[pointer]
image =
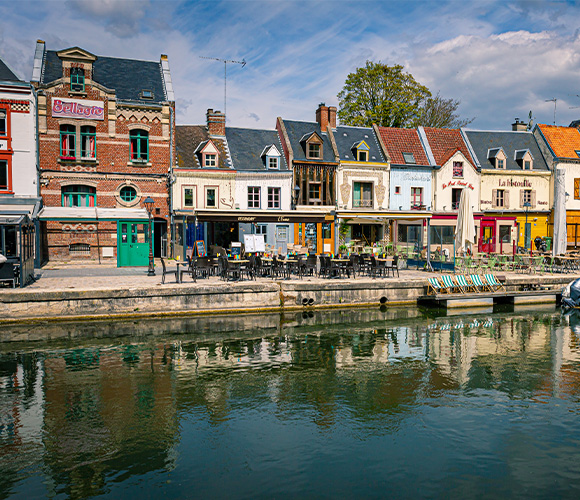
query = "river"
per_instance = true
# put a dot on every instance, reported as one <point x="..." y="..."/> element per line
<point x="391" y="403"/>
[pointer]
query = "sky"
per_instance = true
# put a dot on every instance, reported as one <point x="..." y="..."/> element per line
<point x="501" y="59"/>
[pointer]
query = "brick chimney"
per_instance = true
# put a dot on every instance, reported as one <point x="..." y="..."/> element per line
<point x="325" y="116"/>
<point x="216" y="122"/>
<point x="519" y="126"/>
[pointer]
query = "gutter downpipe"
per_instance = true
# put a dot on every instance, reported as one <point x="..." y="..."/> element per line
<point x="38" y="253"/>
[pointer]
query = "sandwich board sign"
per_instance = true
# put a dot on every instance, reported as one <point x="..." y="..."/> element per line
<point x="254" y="243"/>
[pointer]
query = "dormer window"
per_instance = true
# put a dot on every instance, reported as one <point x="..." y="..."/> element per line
<point x="147" y="94"/>
<point x="360" y="151"/>
<point x="497" y="157"/>
<point x="207" y="154"/>
<point x="273" y="162"/>
<point x="314" y="150"/>
<point x="271" y="157"/>
<point x="363" y="155"/>
<point x="409" y="158"/>
<point x="210" y="160"/>
<point x="524" y="159"/>
<point x="527" y="165"/>
<point x="77" y="80"/>
<point x="499" y="163"/>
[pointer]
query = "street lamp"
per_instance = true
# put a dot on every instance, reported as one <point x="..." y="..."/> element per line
<point x="149" y="202"/>
<point x="295" y="196"/>
<point x="528" y="229"/>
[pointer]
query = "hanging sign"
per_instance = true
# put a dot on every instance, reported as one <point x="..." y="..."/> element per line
<point x="77" y="108"/>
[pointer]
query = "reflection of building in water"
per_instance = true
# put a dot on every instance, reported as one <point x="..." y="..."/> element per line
<point x="21" y="414"/>
<point x="111" y="410"/>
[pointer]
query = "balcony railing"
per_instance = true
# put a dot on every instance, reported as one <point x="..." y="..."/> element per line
<point x="362" y="204"/>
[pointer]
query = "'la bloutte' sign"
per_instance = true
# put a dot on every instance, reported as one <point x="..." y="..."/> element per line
<point x="75" y="108"/>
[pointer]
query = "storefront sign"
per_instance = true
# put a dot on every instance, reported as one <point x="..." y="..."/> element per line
<point x="458" y="183"/>
<point x="511" y="183"/>
<point x="76" y="108"/>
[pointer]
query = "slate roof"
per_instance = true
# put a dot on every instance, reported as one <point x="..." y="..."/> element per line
<point x="188" y="138"/>
<point x="444" y="142"/>
<point x="247" y="145"/>
<point x="346" y="137"/>
<point x="128" y="77"/>
<point x="297" y="130"/>
<point x="6" y="74"/>
<point x="564" y="141"/>
<point x="482" y="141"/>
<point x="403" y="140"/>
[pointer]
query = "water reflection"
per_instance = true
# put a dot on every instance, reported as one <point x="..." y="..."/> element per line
<point x="224" y="405"/>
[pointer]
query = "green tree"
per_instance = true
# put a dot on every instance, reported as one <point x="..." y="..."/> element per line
<point x="387" y="96"/>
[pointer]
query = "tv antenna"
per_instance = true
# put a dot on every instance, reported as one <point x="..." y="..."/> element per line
<point x="554" y="100"/>
<point x="225" y="61"/>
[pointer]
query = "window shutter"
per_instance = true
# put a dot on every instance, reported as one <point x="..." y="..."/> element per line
<point x="577" y="189"/>
<point x="506" y="199"/>
<point x="494" y="198"/>
<point x="533" y="202"/>
<point x="521" y="198"/>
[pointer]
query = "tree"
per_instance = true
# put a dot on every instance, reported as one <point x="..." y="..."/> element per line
<point x="441" y="113"/>
<point x="387" y="96"/>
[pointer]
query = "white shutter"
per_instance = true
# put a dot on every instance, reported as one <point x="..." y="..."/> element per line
<point x="533" y="202"/>
<point x="494" y="198"/>
<point x="506" y="198"/>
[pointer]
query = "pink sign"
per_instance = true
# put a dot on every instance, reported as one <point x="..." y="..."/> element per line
<point x="75" y="108"/>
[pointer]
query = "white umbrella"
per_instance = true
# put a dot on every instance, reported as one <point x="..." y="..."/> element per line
<point x="560" y="241"/>
<point x="465" y="228"/>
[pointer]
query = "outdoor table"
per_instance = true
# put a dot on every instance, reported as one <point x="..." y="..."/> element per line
<point x="341" y="266"/>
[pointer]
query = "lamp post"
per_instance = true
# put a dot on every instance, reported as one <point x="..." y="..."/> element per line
<point x="295" y="195"/>
<point x="528" y="229"/>
<point x="149" y="202"/>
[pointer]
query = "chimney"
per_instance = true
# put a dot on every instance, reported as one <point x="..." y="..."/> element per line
<point x="216" y="122"/>
<point x="519" y="126"/>
<point x="332" y="116"/>
<point x="322" y="116"/>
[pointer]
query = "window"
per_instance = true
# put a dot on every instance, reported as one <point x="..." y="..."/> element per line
<point x="314" y="193"/>
<point x="500" y="163"/>
<point x="77" y="80"/>
<point x="88" y="142"/>
<point x="363" y="155"/>
<point x="3" y="127"/>
<point x="78" y="196"/>
<point x="416" y="197"/>
<point x="455" y="198"/>
<point x="146" y="94"/>
<point x="210" y="197"/>
<point x="362" y="194"/>
<point x="409" y="158"/>
<point x="139" y="145"/>
<point x="188" y="197"/>
<point x="67" y="142"/>
<point x="128" y="193"/>
<point x="210" y="160"/>
<point x="442" y="235"/>
<point x="397" y="189"/>
<point x="499" y="200"/>
<point x="457" y="169"/>
<point x="253" y="197"/>
<point x="4" y="176"/>
<point x="577" y="188"/>
<point x="314" y="150"/>
<point x="526" y="197"/>
<point x="273" y="197"/>
<point x="577" y="153"/>
<point x="505" y="234"/>
<point x="273" y="162"/>
<point x="261" y="229"/>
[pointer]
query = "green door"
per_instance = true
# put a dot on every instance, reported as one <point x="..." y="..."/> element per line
<point x="132" y="243"/>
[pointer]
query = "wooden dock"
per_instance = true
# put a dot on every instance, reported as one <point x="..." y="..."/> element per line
<point x="486" y="299"/>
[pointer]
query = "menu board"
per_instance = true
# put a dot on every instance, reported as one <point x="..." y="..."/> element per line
<point x="200" y="248"/>
<point x="254" y="243"/>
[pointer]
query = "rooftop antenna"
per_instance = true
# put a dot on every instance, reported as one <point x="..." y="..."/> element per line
<point x="530" y="120"/>
<point x="554" y="100"/>
<point x="225" y="61"/>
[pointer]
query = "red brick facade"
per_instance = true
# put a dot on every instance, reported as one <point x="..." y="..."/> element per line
<point x="112" y="168"/>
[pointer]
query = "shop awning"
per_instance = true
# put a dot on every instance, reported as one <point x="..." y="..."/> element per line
<point x="254" y="216"/>
<point x="71" y="214"/>
<point x="382" y="216"/>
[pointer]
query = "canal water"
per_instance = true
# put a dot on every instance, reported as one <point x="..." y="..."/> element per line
<point x="392" y="403"/>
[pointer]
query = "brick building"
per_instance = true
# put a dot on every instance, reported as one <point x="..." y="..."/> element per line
<point x="106" y="141"/>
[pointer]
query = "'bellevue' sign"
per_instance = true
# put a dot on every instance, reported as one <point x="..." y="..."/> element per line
<point x="76" y="108"/>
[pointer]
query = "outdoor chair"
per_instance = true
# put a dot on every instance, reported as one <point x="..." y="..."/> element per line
<point x="450" y="284"/>
<point x="434" y="286"/>
<point x="464" y="285"/>
<point x="481" y="286"/>
<point x="310" y="266"/>
<point x="279" y="268"/>
<point x="191" y="269"/>
<point x="166" y="272"/>
<point x="204" y="267"/>
<point x="325" y="266"/>
<point x="374" y="267"/>
<point x="394" y="266"/>
<point x="494" y="284"/>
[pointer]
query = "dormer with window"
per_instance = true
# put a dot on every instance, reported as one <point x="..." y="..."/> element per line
<point x="312" y="144"/>
<point x="208" y="154"/>
<point x="524" y="159"/>
<point x="360" y="151"/>
<point x="497" y="157"/>
<point x="271" y="157"/>
<point x="77" y="80"/>
<point x="77" y="68"/>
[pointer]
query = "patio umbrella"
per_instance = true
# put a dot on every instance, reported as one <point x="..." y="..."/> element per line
<point x="560" y="234"/>
<point x="465" y="229"/>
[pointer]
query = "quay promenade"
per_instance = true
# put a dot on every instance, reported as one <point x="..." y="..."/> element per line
<point x="91" y="291"/>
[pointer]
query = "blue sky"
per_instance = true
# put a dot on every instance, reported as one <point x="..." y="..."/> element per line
<point x="500" y="59"/>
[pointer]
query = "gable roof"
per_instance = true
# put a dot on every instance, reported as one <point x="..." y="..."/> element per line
<point x="403" y="140"/>
<point x="445" y="142"/>
<point x="564" y="141"/>
<point x="188" y="138"/>
<point x="127" y="77"/>
<point x="247" y="146"/>
<point x="347" y="138"/>
<point x="297" y="130"/>
<point x="483" y="142"/>
<point x="6" y="74"/>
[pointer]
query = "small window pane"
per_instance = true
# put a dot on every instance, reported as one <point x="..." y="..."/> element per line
<point x="3" y="175"/>
<point x="210" y="197"/>
<point x="128" y="193"/>
<point x="188" y="197"/>
<point x="2" y="122"/>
